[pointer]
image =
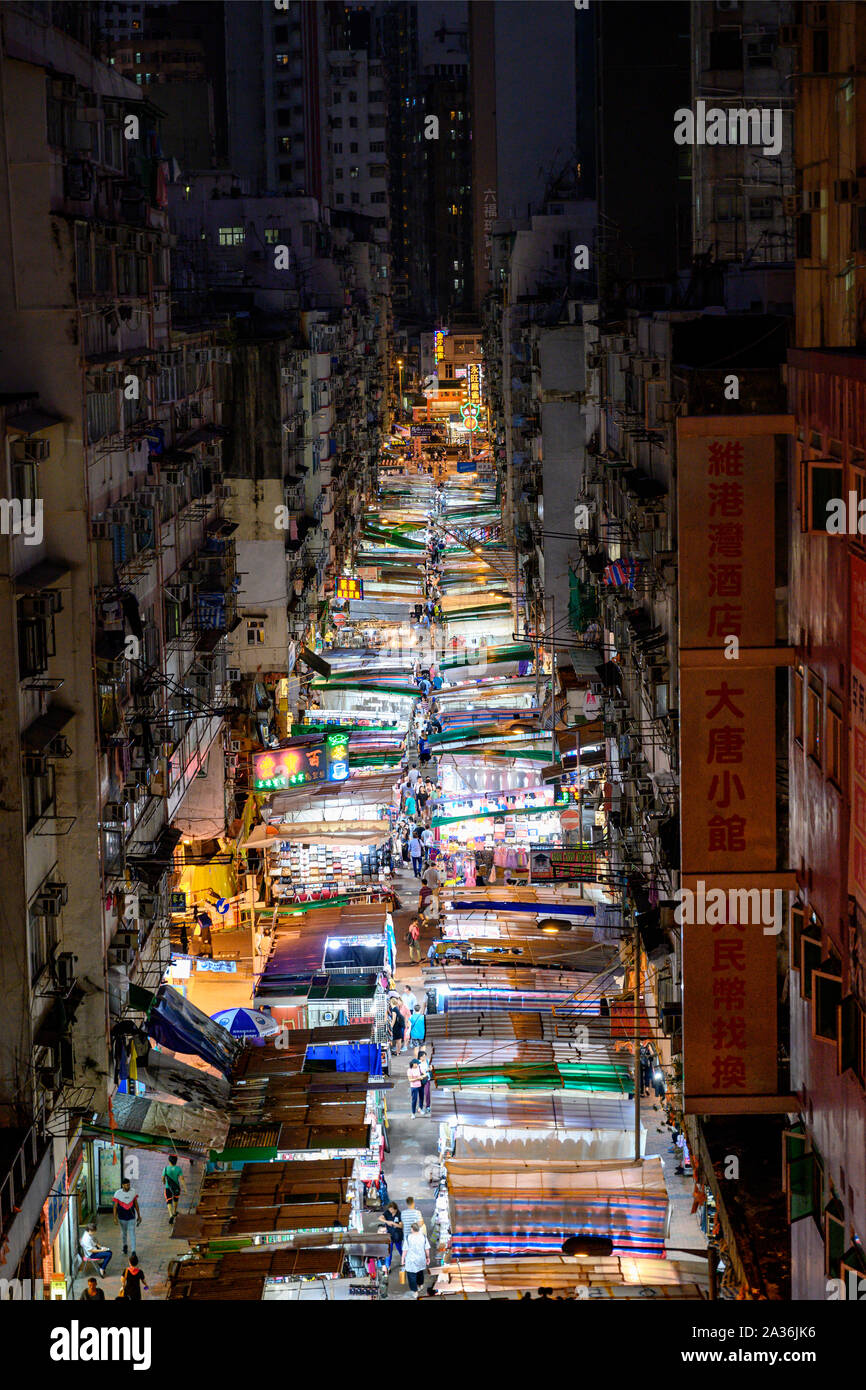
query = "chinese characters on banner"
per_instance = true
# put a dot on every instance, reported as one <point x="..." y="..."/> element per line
<point x="726" y="489"/>
<point x="489" y="219"/>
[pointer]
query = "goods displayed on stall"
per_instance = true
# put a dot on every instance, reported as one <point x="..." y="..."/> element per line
<point x="301" y="871"/>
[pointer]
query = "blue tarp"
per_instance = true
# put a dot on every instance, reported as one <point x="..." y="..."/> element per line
<point x="349" y="1056"/>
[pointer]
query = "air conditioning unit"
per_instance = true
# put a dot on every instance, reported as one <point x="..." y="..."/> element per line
<point x="115" y="812"/>
<point x="50" y="1078"/>
<point x="846" y="190"/>
<point x="31" y="450"/>
<point x="64" y="969"/>
<point x="43" y="605"/>
<point x="51" y="900"/>
<point x="172" y="473"/>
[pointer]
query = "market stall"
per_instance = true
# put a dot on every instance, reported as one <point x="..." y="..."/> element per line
<point x="528" y="1207"/>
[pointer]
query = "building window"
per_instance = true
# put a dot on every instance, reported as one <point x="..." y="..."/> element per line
<point x="281" y="60"/>
<point x="726" y="50"/>
<point x="43" y="940"/>
<point x="338" y="173"/>
<point x="797" y="687"/>
<point x="833" y="740"/>
<point x="284" y="173"/>
<point x="38" y="794"/>
<point x="340" y="198"/>
<point x="728" y="207"/>
<point x="378" y="197"/>
<point x="354" y="171"/>
<point x="353" y="147"/>
<point x="814" y="711"/>
<point x="762" y="209"/>
<point x="353" y="122"/>
<point x="378" y="147"/>
<point x="255" y="632"/>
<point x="231" y="236"/>
<point x="273" y="236"/>
<point x="337" y="122"/>
<point x="353" y="96"/>
<point x="337" y="98"/>
<point x="338" y="147"/>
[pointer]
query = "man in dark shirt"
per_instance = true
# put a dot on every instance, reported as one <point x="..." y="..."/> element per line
<point x="93" y="1293"/>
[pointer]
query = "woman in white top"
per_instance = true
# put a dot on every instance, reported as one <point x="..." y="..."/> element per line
<point x="416" y="1255"/>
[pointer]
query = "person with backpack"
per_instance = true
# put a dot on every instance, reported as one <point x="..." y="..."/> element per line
<point x="412" y="936"/>
<point x="417" y="1028"/>
<point x="172" y="1182"/>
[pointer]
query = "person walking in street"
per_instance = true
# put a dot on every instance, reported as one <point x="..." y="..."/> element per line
<point x="390" y="1222"/>
<point x="416" y="1088"/>
<point x="428" y="840"/>
<point x="398" y="1025"/>
<point x="126" y="1211"/>
<point x="423" y="749"/>
<point x="410" y="999"/>
<point x="416" y="1257"/>
<point x="430" y="876"/>
<point x="410" y="1217"/>
<point x="426" y="1079"/>
<point x="172" y="1182"/>
<point x="417" y="1028"/>
<point x="416" y="853"/>
<point x="413" y="936"/>
<point x="133" y="1280"/>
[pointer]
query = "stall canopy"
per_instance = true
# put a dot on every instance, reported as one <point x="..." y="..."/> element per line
<point x="179" y="1025"/>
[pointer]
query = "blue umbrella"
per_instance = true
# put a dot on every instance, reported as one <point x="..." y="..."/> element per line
<point x="246" y="1023"/>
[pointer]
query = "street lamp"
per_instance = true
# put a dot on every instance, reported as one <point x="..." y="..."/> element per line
<point x="400" y="370"/>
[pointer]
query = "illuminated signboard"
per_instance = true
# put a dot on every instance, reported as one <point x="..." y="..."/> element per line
<point x="470" y="415"/>
<point x="439" y="345"/>
<point x="338" y="756"/>
<point x="279" y="768"/>
<point x="474" y="383"/>
<point x="347" y="587"/>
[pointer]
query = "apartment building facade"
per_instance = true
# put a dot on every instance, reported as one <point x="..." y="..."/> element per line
<point x="115" y="618"/>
